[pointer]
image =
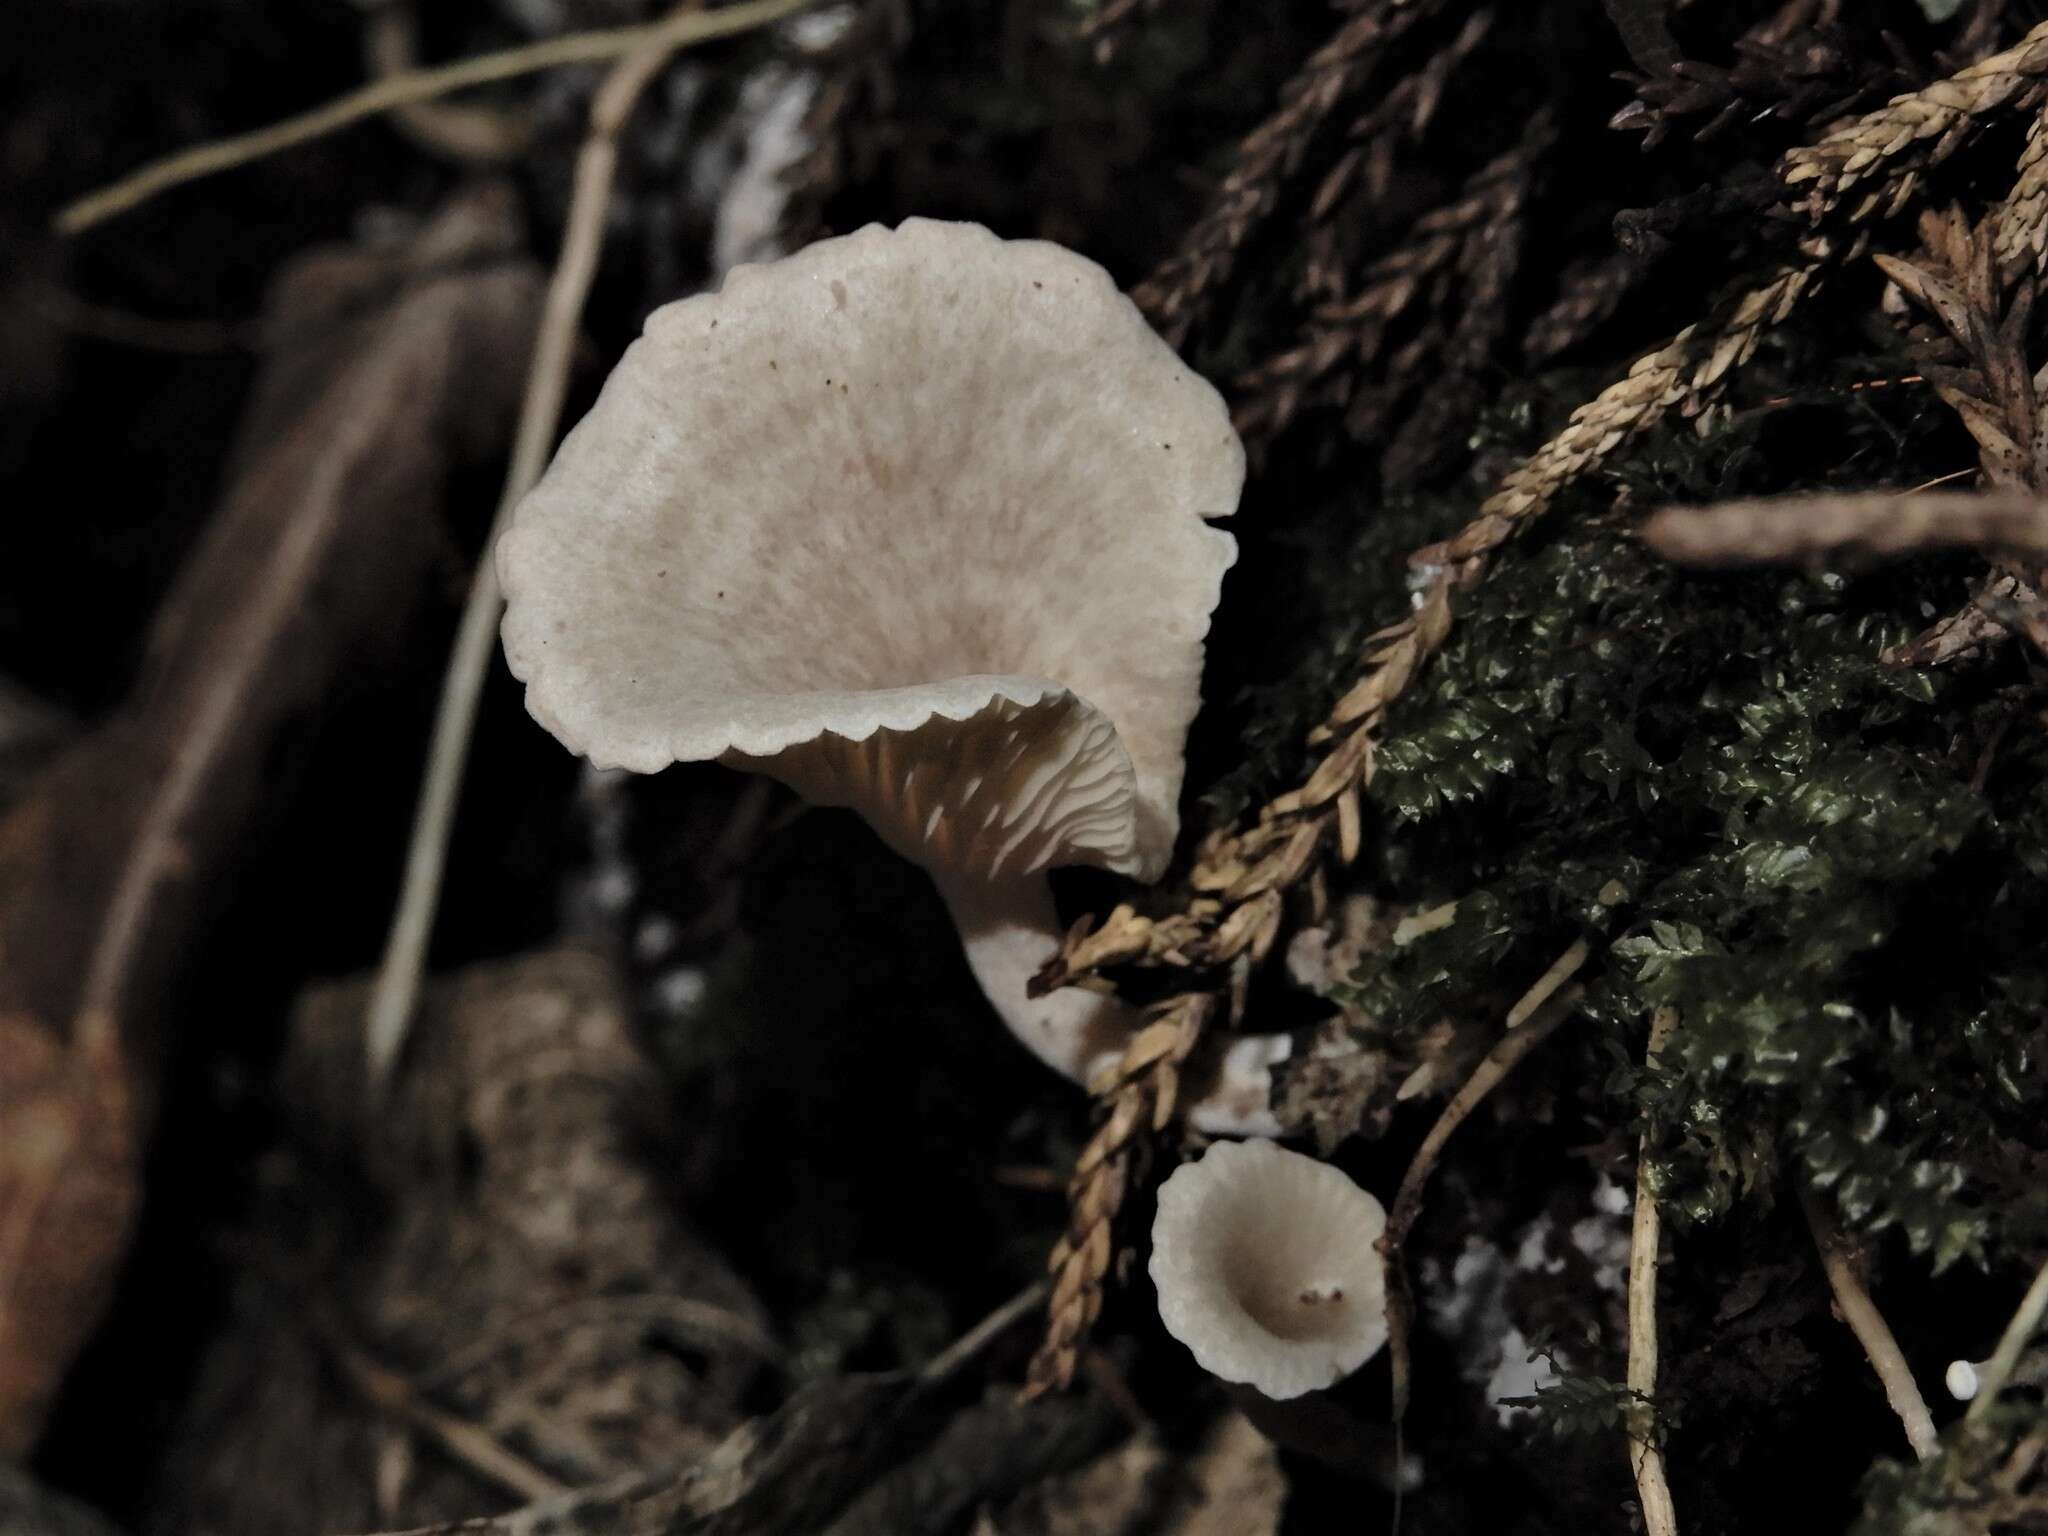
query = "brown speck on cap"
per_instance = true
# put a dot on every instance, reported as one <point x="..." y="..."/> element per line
<point x="978" y="672"/>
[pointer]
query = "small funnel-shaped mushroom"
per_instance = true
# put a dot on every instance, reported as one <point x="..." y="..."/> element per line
<point x="1267" y="1268"/>
<point x="914" y="521"/>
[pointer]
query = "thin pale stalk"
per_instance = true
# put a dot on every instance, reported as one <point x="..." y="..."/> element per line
<point x="2026" y="1322"/>
<point x="1660" y="1513"/>
<point x="678" y="30"/>
<point x="395" y="991"/>
<point x="1853" y="1302"/>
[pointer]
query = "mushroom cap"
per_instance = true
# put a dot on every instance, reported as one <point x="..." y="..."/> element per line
<point x="908" y="518"/>
<point x="1267" y="1269"/>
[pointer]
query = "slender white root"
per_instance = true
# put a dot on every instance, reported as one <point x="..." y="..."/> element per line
<point x="1009" y="930"/>
<point x="1660" y="1514"/>
<point x="1561" y="970"/>
<point x="2018" y="1333"/>
<point x="1852" y="1300"/>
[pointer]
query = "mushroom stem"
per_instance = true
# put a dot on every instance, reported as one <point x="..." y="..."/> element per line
<point x="1010" y="928"/>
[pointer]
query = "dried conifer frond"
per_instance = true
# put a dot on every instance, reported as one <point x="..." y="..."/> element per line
<point x="1789" y="66"/>
<point x="2023" y="224"/>
<point x="1174" y="296"/>
<point x="1233" y="913"/>
<point x="1111" y="27"/>
<point x="1872" y="165"/>
<point x="1976" y="352"/>
<point x="1359" y="182"/>
<point x="1294" y="832"/>
<point x="1241" y="873"/>
<point x="1452" y="270"/>
<point x="1136" y="1102"/>
<point x="1590" y="291"/>
<point x="1644" y="27"/>
<point x="1683" y="375"/>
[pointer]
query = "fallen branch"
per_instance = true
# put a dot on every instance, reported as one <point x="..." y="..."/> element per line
<point x="1838" y="1256"/>
<point x="679" y="30"/>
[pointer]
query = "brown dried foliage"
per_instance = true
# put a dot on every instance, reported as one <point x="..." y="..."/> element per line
<point x="397" y="368"/>
<point x="1872" y="165"/>
<point x="1796" y="66"/>
<point x="1355" y="188"/>
<point x="1232" y="913"/>
<point x="1176" y="296"/>
<point x="1975" y="352"/>
<point x="1140" y="1097"/>
<point x="1590" y="291"/>
<point x="1451" y="275"/>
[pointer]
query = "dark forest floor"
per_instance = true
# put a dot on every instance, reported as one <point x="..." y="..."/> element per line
<point x="700" y="1075"/>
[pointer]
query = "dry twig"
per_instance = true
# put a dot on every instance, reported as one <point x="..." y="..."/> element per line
<point x="1660" y="1514"/>
<point x="1487" y="1076"/>
<point x="467" y="134"/>
<point x="680" y="29"/>
<point x="1841" y="1258"/>
<point x="395" y="991"/>
<point x="1873" y="525"/>
<point x="471" y="1445"/>
<point x="2019" y="1332"/>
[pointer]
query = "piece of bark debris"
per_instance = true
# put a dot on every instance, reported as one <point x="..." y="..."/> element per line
<point x="478" y="1293"/>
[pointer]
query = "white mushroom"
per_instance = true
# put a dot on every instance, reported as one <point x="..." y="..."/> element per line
<point x="1267" y="1268"/>
<point x="914" y="521"/>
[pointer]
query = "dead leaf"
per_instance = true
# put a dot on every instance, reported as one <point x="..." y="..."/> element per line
<point x="411" y="364"/>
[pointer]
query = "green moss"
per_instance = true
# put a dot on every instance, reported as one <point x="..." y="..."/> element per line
<point x="1760" y="824"/>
